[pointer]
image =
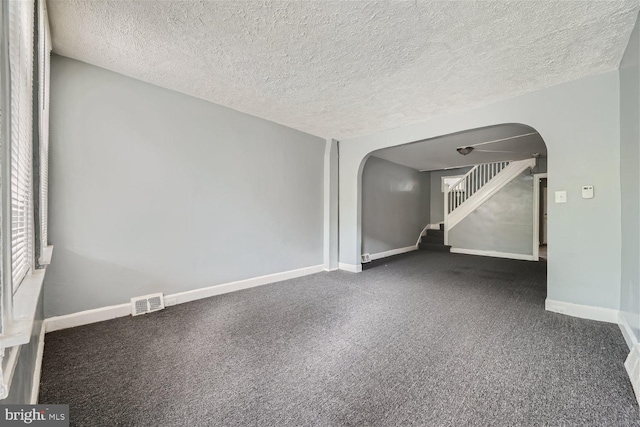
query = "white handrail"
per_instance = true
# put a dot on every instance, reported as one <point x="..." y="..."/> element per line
<point x="489" y="178"/>
<point x="470" y="183"/>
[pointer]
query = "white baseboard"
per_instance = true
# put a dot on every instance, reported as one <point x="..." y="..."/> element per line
<point x="627" y="332"/>
<point x="35" y="386"/>
<point x="87" y="317"/>
<point x="422" y="233"/>
<point x="122" y="310"/>
<point x="493" y="254"/>
<point x="350" y="267"/>
<point x="211" y="291"/>
<point x="602" y="314"/>
<point x="632" y="365"/>
<point x="392" y="252"/>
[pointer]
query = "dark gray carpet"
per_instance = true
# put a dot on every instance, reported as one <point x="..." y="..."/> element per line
<point x="432" y="339"/>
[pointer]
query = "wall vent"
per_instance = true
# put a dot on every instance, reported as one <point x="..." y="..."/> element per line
<point x="146" y="304"/>
<point x="366" y="257"/>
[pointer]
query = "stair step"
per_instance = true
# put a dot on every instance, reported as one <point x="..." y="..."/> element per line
<point x="435" y="233"/>
<point x="435" y="247"/>
<point x="438" y="240"/>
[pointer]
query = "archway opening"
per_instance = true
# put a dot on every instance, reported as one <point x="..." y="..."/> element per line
<point x="479" y="192"/>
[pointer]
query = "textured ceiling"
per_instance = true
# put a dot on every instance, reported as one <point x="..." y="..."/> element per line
<point x="492" y="144"/>
<point x="347" y="68"/>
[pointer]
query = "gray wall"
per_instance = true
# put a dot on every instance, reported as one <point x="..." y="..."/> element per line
<point x="437" y="196"/>
<point x="583" y="267"/>
<point x="20" y="390"/>
<point x="629" y="182"/>
<point x="155" y="191"/>
<point x="395" y="205"/>
<point x="504" y="223"/>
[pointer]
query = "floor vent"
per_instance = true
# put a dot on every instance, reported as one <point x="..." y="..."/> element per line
<point x="146" y="304"/>
<point x="366" y="257"/>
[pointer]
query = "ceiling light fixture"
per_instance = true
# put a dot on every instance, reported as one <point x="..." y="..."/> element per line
<point x="464" y="150"/>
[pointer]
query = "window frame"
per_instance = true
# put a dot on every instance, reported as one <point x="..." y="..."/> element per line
<point x="19" y="309"/>
<point x="20" y="294"/>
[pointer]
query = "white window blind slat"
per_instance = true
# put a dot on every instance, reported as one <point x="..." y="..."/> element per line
<point x="21" y="33"/>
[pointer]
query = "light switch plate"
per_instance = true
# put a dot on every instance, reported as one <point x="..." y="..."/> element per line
<point x="561" y="197"/>
<point x="587" y="192"/>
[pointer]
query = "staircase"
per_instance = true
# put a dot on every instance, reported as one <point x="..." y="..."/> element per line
<point x="467" y="194"/>
<point x="434" y="241"/>
<point x="476" y="187"/>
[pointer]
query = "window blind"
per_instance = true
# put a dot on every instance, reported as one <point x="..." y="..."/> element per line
<point x="45" y="62"/>
<point x="21" y="31"/>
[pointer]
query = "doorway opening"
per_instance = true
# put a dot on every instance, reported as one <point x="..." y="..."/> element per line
<point x="540" y="217"/>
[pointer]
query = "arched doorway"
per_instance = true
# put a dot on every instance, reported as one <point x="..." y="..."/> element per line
<point x="405" y="191"/>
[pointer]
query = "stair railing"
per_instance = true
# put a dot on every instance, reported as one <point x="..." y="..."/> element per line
<point x="460" y="191"/>
<point x="470" y="183"/>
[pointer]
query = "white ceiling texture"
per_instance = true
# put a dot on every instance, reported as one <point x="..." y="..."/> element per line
<point x="346" y="68"/>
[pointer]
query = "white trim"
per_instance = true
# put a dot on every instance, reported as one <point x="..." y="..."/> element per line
<point x="121" y="310"/>
<point x="446" y="217"/>
<point x="211" y="291"/>
<point x="25" y="302"/>
<point x="350" y="267"/>
<point x="493" y="254"/>
<point x="602" y="314"/>
<point x="392" y="252"/>
<point x="627" y="332"/>
<point x="632" y="365"/>
<point x="326" y="252"/>
<point x="443" y="178"/>
<point x="330" y="227"/>
<point x="35" y="386"/>
<point x="20" y="328"/>
<point x="87" y="317"/>
<point x="536" y="214"/>
<point x="422" y="233"/>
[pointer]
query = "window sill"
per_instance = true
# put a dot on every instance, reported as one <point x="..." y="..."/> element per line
<point x="25" y="302"/>
<point x="19" y="329"/>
